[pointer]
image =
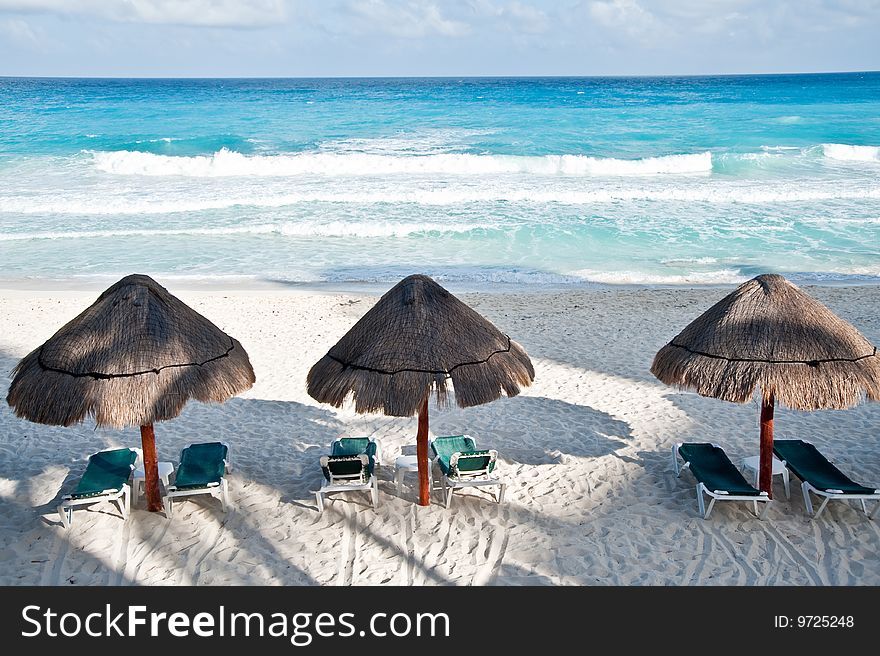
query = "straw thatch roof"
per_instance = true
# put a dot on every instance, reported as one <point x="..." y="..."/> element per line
<point x="134" y="357"/>
<point x="769" y="334"/>
<point x="416" y="337"/>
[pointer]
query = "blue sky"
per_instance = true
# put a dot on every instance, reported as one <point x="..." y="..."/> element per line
<point x="134" y="38"/>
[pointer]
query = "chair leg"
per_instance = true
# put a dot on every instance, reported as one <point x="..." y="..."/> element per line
<point x="224" y="495"/>
<point x="320" y="499"/>
<point x="449" y="491"/>
<point x="166" y="502"/>
<point x="807" y="502"/>
<point x="501" y="493"/>
<point x="124" y="502"/>
<point x="374" y="493"/>
<point x="709" y="509"/>
<point x="65" y="517"/>
<point x="700" y="505"/>
<point x="675" y="462"/>
<point x="787" y="481"/>
<point x="822" y="507"/>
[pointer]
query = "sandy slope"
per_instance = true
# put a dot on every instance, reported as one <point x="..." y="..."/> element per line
<point x="586" y="451"/>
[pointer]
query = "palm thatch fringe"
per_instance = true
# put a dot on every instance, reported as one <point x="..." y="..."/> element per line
<point x="414" y="340"/>
<point x="769" y="334"/>
<point x="134" y="357"/>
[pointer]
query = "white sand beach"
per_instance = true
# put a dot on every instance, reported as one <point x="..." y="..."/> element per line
<point x="591" y="500"/>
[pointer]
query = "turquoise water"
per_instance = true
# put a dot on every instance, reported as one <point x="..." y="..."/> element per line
<point x="534" y="181"/>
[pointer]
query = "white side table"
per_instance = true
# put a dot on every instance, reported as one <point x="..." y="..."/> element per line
<point x="137" y="477"/>
<point x="753" y="465"/>
<point x="402" y="465"/>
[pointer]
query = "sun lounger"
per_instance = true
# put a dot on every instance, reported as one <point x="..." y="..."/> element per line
<point x="105" y="479"/>
<point x="716" y="475"/>
<point x="202" y="470"/>
<point x="821" y="477"/>
<point x="353" y="446"/>
<point x="462" y="465"/>
<point x="348" y="472"/>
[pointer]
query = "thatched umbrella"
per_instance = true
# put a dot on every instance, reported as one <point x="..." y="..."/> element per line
<point x="769" y="334"/>
<point x="414" y="340"/>
<point x="134" y="357"/>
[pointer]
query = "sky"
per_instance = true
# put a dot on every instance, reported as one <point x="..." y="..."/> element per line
<point x="372" y="38"/>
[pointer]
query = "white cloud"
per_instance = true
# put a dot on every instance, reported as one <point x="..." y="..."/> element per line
<point x="410" y="19"/>
<point x="20" y="32"/>
<point x="196" y="13"/>
<point x="627" y="17"/>
<point x="517" y="16"/>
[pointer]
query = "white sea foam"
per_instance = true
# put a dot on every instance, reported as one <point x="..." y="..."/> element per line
<point x="689" y="260"/>
<point x="848" y="153"/>
<point x="289" y="229"/>
<point x="474" y="274"/>
<point x="228" y="163"/>
<point x="719" y="277"/>
<point x="479" y="277"/>
<point x="426" y="142"/>
<point x="452" y="195"/>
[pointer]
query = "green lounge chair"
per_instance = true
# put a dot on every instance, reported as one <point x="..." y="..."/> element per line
<point x="716" y="475"/>
<point x="462" y="465"/>
<point x="822" y="478"/>
<point x="105" y="479"/>
<point x="350" y="466"/>
<point x="202" y="470"/>
<point x="353" y="446"/>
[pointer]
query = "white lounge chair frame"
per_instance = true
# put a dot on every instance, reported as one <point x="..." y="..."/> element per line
<point x="838" y="494"/>
<point x="121" y="497"/>
<point x="377" y="459"/>
<point x="476" y="478"/>
<point x="349" y="482"/>
<point x="217" y="490"/>
<point x="716" y="495"/>
<point x="828" y="495"/>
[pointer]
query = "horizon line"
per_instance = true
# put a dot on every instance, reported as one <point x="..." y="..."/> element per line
<point x="426" y="77"/>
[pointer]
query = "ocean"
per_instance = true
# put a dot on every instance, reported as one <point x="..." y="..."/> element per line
<point x="526" y="181"/>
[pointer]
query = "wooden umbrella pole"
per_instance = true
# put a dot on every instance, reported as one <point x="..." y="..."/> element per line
<point x="765" y="476"/>
<point x="151" y="469"/>
<point x="422" y="455"/>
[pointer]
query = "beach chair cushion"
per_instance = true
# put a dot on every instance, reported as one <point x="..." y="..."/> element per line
<point x="201" y="465"/>
<point x="107" y="471"/>
<point x="349" y="446"/>
<point x="469" y="461"/>
<point x="711" y="466"/>
<point x="809" y="465"/>
<point x="444" y="447"/>
<point x="353" y="446"/>
<point x="346" y="466"/>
